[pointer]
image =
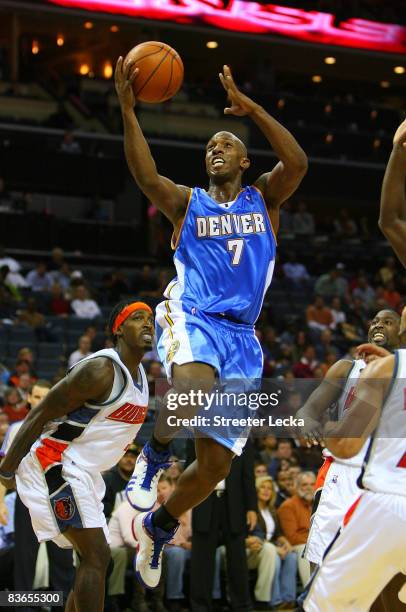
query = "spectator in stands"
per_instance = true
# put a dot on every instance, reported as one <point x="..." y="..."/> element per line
<point x="7" y="530"/>
<point x="4" y="425"/>
<point x="332" y="284"/>
<point x="308" y="363"/>
<point x="365" y="292"/>
<point x="286" y="486"/>
<point x="284" y="563"/>
<point x="24" y="386"/>
<point x="318" y="315"/>
<point x="388" y="271"/>
<point x="271" y="345"/>
<point x="303" y="221"/>
<point x="325" y="345"/>
<point x="338" y="313"/>
<point x="62" y="276"/>
<point x="57" y="259"/>
<point x="70" y="145"/>
<point x="294" y="515"/>
<point x="344" y="225"/>
<point x="145" y="280"/>
<point x="83" y="306"/>
<point x="23" y="366"/>
<point x="270" y="445"/>
<point x="59" y="306"/>
<point x="7" y="284"/>
<point x="260" y="469"/>
<point x="26" y="354"/>
<point x="300" y="342"/>
<point x="115" y="285"/>
<point x="39" y="279"/>
<point x="83" y="350"/>
<point x="31" y="317"/>
<point x="14" y="407"/>
<point x="13" y="279"/>
<point x="294" y="271"/>
<point x="391" y="296"/>
<point x="283" y="451"/>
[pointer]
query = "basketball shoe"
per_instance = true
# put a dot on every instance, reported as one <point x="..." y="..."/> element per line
<point x="142" y="487"/>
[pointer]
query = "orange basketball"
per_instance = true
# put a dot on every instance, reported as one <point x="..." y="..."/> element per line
<point x="160" y="71"/>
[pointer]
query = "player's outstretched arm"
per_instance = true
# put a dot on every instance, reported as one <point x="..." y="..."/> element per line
<point x="346" y="437"/>
<point x="91" y="380"/>
<point x="169" y="198"/>
<point x="317" y="404"/>
<point x="277" y="185"/>
<point x="392" y="219"/>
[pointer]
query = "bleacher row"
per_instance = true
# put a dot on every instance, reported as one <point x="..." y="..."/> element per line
<point x="49" y="355"/>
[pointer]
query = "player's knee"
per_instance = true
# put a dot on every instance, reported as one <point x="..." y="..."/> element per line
<point x="215" y="469"/>
<point x="98" y="557"/>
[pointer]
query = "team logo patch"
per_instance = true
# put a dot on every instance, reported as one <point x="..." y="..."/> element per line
<point x="173" y="349"/>
<point x="64" y="508"/>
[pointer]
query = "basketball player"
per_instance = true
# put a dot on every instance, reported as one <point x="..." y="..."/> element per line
<point x="392" y="220"/>
<point x="224" y="241"/>
<point x="370" y="548"/>
<point x="81" y="428"/>
<point x="336" y="486"/>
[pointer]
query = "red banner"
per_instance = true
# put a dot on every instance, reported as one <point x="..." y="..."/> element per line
<point x="242" y="16"/>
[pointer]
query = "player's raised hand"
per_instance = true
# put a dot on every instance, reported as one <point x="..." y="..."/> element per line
<point x="400" y="135"/>
<point x="369" y="352"/>
<point x="124" y="77"/>
<point x="241" y="104"/>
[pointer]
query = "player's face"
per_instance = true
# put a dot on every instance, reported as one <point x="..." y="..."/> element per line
<point x="225" y="157"/>
<point x="384" y="330"/>
<point x="138" y="330"/>
<point x="37" y="395"/>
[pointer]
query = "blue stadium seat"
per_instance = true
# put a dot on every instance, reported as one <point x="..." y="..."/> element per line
<point x="50" y="350"/>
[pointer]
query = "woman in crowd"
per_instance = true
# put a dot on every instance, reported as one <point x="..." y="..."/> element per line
<point x="284" y="582"/>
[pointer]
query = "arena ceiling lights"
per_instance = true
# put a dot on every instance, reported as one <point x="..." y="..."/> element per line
<point x="254" y="18"/>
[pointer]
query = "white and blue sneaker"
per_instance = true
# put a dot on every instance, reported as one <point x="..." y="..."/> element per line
<point x="151" y="542"/>
<point x="142" y="488"/>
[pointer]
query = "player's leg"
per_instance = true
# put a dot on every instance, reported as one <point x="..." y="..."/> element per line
<point x="88" y="590"/>
<point x="389" y="601"/>
<point x="155" y="529"/>
<point x="361" y="561"/>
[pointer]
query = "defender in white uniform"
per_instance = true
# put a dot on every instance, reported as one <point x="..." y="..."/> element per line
<point x="336" y="486"/>
<point x="80" y="429"/>
<point x="371" y="547"/>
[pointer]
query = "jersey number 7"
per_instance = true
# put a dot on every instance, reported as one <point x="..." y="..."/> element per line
<point x="236" y="247"/>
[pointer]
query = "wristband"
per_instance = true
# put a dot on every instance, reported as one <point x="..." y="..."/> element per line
<point x="6" y="475"/>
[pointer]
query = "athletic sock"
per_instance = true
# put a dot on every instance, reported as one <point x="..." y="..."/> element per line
<point x="157" y="446"/>
<point x="162" y="519"/>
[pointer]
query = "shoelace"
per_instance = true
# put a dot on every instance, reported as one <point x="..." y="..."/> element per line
<point x="152" y="470"/>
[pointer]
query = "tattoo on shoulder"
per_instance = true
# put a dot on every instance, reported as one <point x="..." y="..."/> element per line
<point x="94" y="373"/>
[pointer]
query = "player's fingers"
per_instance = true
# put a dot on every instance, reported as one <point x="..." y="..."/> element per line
<point x="119" y="67"/>
<point x="133" y="75"/>
<point x="223" y="81"/>
<point x="128" y="68"/>
<point x="229" y="78"/>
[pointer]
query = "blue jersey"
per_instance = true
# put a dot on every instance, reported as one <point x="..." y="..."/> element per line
<point x="224" y="255"/>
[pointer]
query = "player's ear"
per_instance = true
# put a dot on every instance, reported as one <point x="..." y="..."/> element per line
<point x="245" y="164"/>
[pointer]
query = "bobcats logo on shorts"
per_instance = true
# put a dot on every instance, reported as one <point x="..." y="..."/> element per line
<point x="173" y="349"/>
<point x="64" y="508"/>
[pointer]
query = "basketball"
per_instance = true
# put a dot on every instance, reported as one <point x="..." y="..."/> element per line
<point x="160" y="71"/>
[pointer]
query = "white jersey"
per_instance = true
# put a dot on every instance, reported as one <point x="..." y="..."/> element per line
<point x="95" y="436"/>
<point x="344" y="403"/>
<point x="385" y="461"/>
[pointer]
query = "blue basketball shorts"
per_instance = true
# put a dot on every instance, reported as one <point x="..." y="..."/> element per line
<point x="186" y="335"/>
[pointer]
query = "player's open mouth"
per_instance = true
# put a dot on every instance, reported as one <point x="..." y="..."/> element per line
<point x="218" y="162"/>
<point x="378" y="336"/>
<point x="147" y="337"/>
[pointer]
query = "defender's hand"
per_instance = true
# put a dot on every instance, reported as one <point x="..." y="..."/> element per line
<point x="369" y="352"/>
<point x="124" y="77"/>
<point x="241" y="104"/>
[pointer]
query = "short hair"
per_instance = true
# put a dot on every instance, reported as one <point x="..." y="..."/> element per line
<point x="303" y="475"/>
<point x="284" y="441"/>
<point x="166" y="478"/>
<point x="41" y="382"/>
<point x="113" y="315"/>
